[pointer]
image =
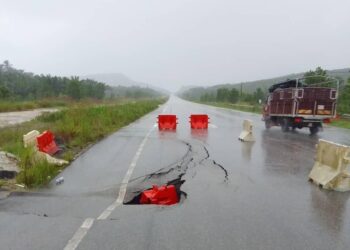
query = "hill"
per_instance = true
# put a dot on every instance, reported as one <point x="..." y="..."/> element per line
<point x="264" y="84"/>
<point x="118" y="79"/>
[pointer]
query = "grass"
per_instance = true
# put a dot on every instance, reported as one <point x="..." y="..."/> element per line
<point x="341" y="123"/>
<point x="241" y="107"/>
<point x="75" y="127"/>
<point x="7" y="106"/>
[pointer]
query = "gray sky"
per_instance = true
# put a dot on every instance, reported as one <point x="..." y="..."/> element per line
<point x="176" y="43"/>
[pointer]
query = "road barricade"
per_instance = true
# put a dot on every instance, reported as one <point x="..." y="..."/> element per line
<point x="29" y="139"/>
<point x="199" y="121"/>
<point x="46" y="143"/>
<point x="247" y="133"/>
<point x="164" y="195"/>
<point x="167" y="122"/>
<point x="331" y="168"/>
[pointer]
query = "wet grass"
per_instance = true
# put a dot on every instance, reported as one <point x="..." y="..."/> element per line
<point x="341" y="123"/>
<point x="75" y="127"/>
<point x="241" y="107"/>
<point x="7" y="106"/>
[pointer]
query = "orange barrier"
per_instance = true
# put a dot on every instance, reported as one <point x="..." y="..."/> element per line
<point x="167" y="122"/>
<point x="46" y="143"/>
<point x="199" y="121"/>
<point x="164" y="195"/>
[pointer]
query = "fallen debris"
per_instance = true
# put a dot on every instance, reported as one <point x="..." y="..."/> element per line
<point x="8" y="165"/>
<point x="59" y="180"/>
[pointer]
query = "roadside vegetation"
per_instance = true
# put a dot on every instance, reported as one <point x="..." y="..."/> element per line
<point x="233" y="96"/>
<point x="90" y="111"/>
<point x="20" y="90"/>
<point x="75" y="128"/>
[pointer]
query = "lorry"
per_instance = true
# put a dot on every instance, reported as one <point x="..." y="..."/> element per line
<point x="294" y="104"/>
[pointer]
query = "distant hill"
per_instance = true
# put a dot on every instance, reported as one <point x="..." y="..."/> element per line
<point x="250" y="87"/>
<point x="117" y="79"/>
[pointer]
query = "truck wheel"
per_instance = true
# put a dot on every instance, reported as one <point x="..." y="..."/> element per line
<point x="314" y="130"/>
<point x="285" y="125"/>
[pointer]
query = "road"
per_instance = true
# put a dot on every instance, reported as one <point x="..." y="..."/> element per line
<point x="239" y="195"/>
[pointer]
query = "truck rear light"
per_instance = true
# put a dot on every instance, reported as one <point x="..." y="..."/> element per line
<point x="298" y="120"/>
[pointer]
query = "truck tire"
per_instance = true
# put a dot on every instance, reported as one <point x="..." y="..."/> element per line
<point x="314" y="130"/>
<point x="285" y="125"/>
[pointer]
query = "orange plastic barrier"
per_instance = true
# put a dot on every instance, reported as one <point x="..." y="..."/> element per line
<point x="167" y="122"/>
<point x="164" y="195"/>
<point x="199" y="121"/>
<point x="46" y="143"/>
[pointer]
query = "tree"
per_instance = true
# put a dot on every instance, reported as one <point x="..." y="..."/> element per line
<point x="4" y="92"/>
<point x="222" y="95"/>
<point x="73" y="89"/>
<point x="233" y="95"/>
<point x="344" y="99"/>
<point x="318" y="76"/>
<point x="259" y="94"/>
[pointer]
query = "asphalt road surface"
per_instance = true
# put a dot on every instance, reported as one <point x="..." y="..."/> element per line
<point x="236" y="195"/>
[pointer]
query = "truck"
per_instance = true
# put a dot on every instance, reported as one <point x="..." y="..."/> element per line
<point x="293" y="104"/>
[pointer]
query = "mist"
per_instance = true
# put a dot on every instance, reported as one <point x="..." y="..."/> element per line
<point x="170" y="44"/>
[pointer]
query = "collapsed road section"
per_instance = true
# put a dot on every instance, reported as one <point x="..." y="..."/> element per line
<point x="169" y="179"/>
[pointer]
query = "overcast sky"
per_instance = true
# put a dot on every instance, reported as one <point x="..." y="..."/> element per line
<point x="178" y="42"/>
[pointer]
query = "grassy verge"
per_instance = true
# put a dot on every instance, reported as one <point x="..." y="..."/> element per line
<point x="7" y="106"/>
<point x="340" y="123"/>
<point x="75" y="127"/>
<point x="241" y="107"/>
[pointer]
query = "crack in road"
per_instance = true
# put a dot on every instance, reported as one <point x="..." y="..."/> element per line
<point x="172" y="174"/>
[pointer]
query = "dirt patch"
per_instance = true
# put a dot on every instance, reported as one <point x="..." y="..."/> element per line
<point x="17" y="117"/>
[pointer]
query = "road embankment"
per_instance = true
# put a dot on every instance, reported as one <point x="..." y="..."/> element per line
<point x="75" y="128"/>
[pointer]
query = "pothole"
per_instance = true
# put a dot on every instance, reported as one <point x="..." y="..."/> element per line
<point x="171" y="175"/>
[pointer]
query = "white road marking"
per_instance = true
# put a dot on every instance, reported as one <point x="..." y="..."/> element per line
<point x="87" y="224"/>
<point x="212" y="126"/>
<point x="79" y="234"/>
<point x="122" y="190"/>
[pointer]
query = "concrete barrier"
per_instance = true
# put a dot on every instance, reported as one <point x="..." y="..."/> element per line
<point x="247" y="133"/>
<point x="50" y="159"/>
<point x="331" y="168"/>
<point x="29" y="139"/>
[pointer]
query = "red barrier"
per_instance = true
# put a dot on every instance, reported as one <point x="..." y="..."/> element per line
<point x="167" y="122"/>
<point x="164" y="195"/>
<point x="46" y="143"/>
<point x="199" y="121"/>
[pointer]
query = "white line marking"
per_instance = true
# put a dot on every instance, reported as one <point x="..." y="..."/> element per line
<point x="87" y="224"/>
<point x="122" y="190"/>
<point x="79" y="234"/>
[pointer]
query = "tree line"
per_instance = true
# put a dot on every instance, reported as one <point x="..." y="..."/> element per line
<point x="234" y="94"/>
<point x="17" y="84"/>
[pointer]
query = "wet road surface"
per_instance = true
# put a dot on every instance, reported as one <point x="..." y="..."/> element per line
<point x="238" y="195"/>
